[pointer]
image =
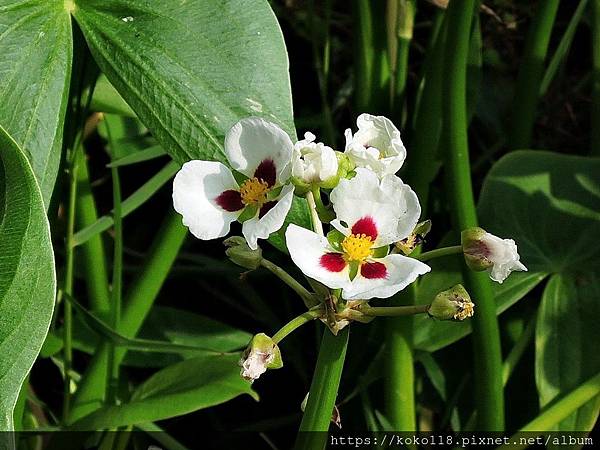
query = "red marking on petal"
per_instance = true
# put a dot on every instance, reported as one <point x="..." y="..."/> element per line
<point x="266" y="208"/>
<point x="334" y="262"/>
<point x="266" y="172"/>
<point x="230" y="200"/>
<point x="373" y="270"/>
<point x="365" y="225"/>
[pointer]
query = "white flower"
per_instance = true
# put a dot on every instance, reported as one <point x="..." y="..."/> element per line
<point x="313" y="162"/>
<point x="376" y="145"/>
<point x="371" y="214"/>
<point x="209" y="198"/>
<point x="484" y="251"/>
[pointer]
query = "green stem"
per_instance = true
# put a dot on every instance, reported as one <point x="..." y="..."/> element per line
<point x="393" y="311"/>
<point x="325" y="215"/>
<point x="296" y="323"/>
<point x="517" y="351"/>
<point x="486" y="337"/>
<point x="314" y="215"/>
<point x="68" y="283"/>
<point x="308" y="298"/>
<point x="559" y="410"/>
<point x="117" y="277"/>
<point x="138" y="302"/>
<point x="92" y="252"/>
<point x="400" y="19"/>
<point x="439" y="252"/>
<point x="530" y="75"/>
<point x="595" y="119"/>
<point x="323" y="391"/>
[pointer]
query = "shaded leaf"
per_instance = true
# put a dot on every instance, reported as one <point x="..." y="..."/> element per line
<point x="35" y="70"/>
<point x="179" y="389"/>
<point x="27" y="275"/>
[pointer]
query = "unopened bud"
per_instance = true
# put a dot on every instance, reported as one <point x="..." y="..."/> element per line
<point x="484" y="251"/>
<point x="242" y="255"/>
<point x="261" y="354"/>
<point x="345" y="165"/>
<point x="452" y="304"/>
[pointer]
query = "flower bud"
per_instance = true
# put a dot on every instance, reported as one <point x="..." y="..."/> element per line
<point x="452" y="304"/>
<point x="345" y="166"/>
<point x="261" y="354"/>
<point x="242" y="255"/>
<point x="484" y="251"/>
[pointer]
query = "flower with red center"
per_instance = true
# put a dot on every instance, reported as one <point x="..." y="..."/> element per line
<point x="209" y="198"/>
<point x="371" y="215"/>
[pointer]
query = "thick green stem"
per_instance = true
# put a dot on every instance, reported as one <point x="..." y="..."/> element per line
<point x="91" y="253"/>
<point x="323" y="391"/>
<point x="400" y="19"/>
<point x="439" y="252"/>
<point x="595" y="119"/>
<point x="138" y="301"/>
<point x="558" y="411"/>
<point x="530" y="75"/>
<point x="295" y="323"/>
<point x="486" y="337"/>
<point x="308" y="298"/>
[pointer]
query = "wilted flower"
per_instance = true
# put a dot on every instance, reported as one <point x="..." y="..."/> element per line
<point x="484" y="251"/>
<point x="371" y="214"/>
<point x="452" y="304"/>
<point x="261" y="354"/>
<point x="242" y="255"/>
<point x="376" y="145"/>
<point x="209" y="198"/>
<point x="313" y="163"/>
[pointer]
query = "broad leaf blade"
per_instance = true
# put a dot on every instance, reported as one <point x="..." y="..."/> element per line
<point x="191" y="69"/>
<point x="35" y="69"/>
<point x="179" y="389"/>
<point x="27" y="276"/>
<point x="564" y="336"/>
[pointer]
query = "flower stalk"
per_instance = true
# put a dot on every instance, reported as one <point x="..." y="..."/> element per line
<point x="439" y="252"/>
<point x="393" y="311"/>
<point x="308" y="298"/>
<point x="296" y="323"/>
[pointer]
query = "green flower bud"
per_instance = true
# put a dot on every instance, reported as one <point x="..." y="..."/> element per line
<point x="475" y="250"/>
<point x="242" y="255"/>
<point x="452" y="304"/>
<point x="261" y="354"/>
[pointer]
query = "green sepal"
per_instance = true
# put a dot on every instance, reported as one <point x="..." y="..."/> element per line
<point x="264" y="344"/>
<point x="274" y="193"/>
<point x="353" y="269"/>
<point x="335" y="239"/>
<point x="239" y="177"/>
<point x="381" y="252"/>
<point x="248" y="213"/>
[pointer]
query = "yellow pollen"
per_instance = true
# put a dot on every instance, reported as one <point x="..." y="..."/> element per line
<point x="357" y="247"/>
<point x="254" y="190"/>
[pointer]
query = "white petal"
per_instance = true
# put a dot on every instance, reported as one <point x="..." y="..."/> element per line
<point x="388" y="202"/>
<point x="195" y="188"/>
<point x="504" y="257"/>
<point x="306" y="249"/>
<point x="376" y="145"/>
<point x="255" y="228"/>
<point x="401" y="271"/>
<point x="253" y="140"/>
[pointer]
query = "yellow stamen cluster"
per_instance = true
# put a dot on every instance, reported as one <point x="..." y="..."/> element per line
<point x="357" y="247"/>
<point x="254" y="191"/>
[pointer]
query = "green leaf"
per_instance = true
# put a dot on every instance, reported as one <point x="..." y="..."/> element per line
<point x="35" y="70"/>
<point x="566" y="332"/>
<point x="179" y="389"/>
<point x="300" y="215"/>
<point x="106" y="99"/>
<point x="27" y="275"/>
<point x="549" y="204"/>
<point x="191" y="69"/>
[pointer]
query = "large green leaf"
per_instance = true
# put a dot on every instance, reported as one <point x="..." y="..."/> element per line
<point x="550" y="204"/>
<point x="182" y="388"/>
<point x="566" y="335"/>
<point x="27" y="276"/>
<point x="35" y="69"/>
<point x="191" y="69"/>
